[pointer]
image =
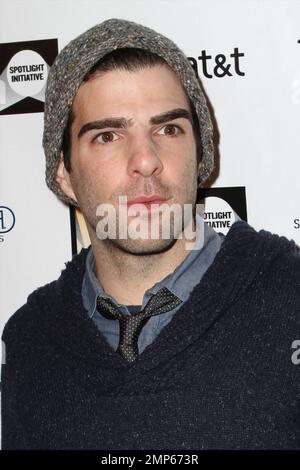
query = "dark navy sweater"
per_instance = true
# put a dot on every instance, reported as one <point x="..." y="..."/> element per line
<point x="220" y="375"/>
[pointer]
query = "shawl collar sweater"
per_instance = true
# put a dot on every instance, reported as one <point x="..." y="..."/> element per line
<point x="218" y="376"/>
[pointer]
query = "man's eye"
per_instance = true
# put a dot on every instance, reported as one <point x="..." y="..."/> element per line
<point x="171" y="129"/>
<point x="105" y="137"/>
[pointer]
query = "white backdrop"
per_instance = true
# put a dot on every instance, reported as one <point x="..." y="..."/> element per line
<point x="256" y="109"/>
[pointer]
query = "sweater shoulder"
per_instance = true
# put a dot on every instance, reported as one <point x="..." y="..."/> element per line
<point x="284" y="267"/>
<point x="287" y="268"/>
<point x="280" y="288"/>
<point x="24" y="317"/>
<point x="24" y="320"/>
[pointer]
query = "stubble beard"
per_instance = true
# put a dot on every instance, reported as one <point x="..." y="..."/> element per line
<point x="150" y="246"/>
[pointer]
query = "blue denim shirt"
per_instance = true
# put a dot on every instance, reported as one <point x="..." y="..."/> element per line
<point x="181" y="282"/>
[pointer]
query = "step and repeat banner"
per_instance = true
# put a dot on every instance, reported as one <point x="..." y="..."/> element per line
<point x="247" y="56"/>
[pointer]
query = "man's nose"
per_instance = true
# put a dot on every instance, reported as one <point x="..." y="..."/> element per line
<point x="144" y="159"/>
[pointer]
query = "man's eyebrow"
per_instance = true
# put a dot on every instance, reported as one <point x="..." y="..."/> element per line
<point x="119" y="123"/>
<point x="123" y="123"/>
<point x="170" y="115"/>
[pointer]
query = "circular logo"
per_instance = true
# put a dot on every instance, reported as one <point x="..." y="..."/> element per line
<point x="27" y="73"/>
<point x="218" y="213"/>
<point x="7" y="219"/>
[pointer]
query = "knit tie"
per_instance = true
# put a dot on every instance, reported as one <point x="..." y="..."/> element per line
<point x="131" y="325"/>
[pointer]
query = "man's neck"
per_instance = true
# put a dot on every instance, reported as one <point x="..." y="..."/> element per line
<point x="126" y="276"/>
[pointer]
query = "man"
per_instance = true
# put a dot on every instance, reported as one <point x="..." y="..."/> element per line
<point x="143" y="342"/>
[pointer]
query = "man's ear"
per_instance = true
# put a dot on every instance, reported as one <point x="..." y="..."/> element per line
<point x="63" y="179"/>
<point x="200" y="165"/>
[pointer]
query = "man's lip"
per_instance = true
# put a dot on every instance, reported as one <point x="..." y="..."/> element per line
<point x="146" y="200"/>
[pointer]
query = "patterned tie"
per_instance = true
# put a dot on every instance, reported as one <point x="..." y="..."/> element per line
<point x="131" y="325"/>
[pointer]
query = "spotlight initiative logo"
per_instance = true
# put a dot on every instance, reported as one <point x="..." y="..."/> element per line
<point x="221" y="207"/>
<point x="24" y="70"/>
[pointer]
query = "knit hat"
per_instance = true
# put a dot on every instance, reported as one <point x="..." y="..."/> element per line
<point x="77" y="58"/>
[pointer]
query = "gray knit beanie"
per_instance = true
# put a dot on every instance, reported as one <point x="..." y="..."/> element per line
<point x="78" y="57"/>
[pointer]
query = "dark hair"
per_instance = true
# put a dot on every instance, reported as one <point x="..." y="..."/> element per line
<point x="130" y="59"/>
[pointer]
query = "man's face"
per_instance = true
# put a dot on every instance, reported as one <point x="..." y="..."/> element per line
<point x="139" y="154"/>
